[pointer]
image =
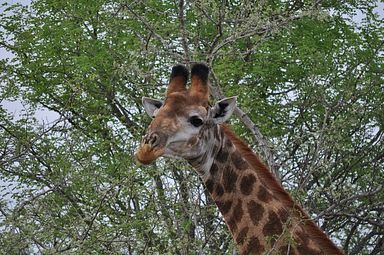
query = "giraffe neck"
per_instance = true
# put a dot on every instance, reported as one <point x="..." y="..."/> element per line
<point x="259" y="219"/>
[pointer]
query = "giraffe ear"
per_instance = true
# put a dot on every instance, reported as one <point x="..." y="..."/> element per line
<point x="151" y="106"/>
<point x="222" y="110"/>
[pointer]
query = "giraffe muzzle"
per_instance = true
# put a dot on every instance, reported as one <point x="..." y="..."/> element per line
<point x="151" y="148"/>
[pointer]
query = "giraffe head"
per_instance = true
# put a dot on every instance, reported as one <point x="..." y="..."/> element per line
<point x="179" y="122"/>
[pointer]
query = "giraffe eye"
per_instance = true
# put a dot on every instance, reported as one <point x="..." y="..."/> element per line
<point x="196" y="121"/>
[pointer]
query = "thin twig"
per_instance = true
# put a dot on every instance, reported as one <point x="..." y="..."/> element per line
<point x="348" y="199"/>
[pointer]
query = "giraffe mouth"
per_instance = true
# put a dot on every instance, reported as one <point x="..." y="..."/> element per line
<point x="146" y="154"/>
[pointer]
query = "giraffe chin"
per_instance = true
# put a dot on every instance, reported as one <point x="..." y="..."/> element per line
<point x="146" y="154"/>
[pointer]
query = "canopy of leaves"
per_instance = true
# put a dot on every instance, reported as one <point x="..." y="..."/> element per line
<point x="309" y="80"/>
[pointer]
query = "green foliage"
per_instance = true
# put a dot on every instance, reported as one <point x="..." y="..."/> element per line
<point x="307" y="74"/>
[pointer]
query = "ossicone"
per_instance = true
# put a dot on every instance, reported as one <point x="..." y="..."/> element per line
<point x="180" y="70"/>
<point x="199" y="84"/>
<point x="200" y="70"/>
<point x="178" y="79"/>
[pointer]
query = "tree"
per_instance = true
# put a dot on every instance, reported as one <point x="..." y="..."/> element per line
<point x="310" y="87"/>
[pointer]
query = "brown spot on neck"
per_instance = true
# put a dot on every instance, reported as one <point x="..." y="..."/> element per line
<point x="219" y="190"/>
<point x="224" y="206"/>
<point x="238" y="161"/>
<point x="263" y="194"/>
<point x="283" y="215"/>
<point x="242" y="235"/>
<point x="232" y="224"/>
<point x="209" y="184"/>
<point x="229" y="179"/>
<point x="214" y="169"/>
<point x="238" y="212"/>
<point x="273" y="228"/>
<point x="222" y="155"/>
<point x="246" y="184"/>
<point x="255" y="211"/>
<point x="253" y="247"/>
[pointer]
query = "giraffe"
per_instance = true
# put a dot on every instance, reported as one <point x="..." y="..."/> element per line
<point x="261" y="216"/>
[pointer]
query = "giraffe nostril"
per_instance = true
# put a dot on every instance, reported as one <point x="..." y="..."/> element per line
<point x="145" y="139"/>
<point x="154" y="139"/>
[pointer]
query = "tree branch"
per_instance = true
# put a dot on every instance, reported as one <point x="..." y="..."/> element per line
<point x="183" y="32"/>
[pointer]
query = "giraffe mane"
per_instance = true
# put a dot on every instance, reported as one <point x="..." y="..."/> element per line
<point x="270" y="181"/>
